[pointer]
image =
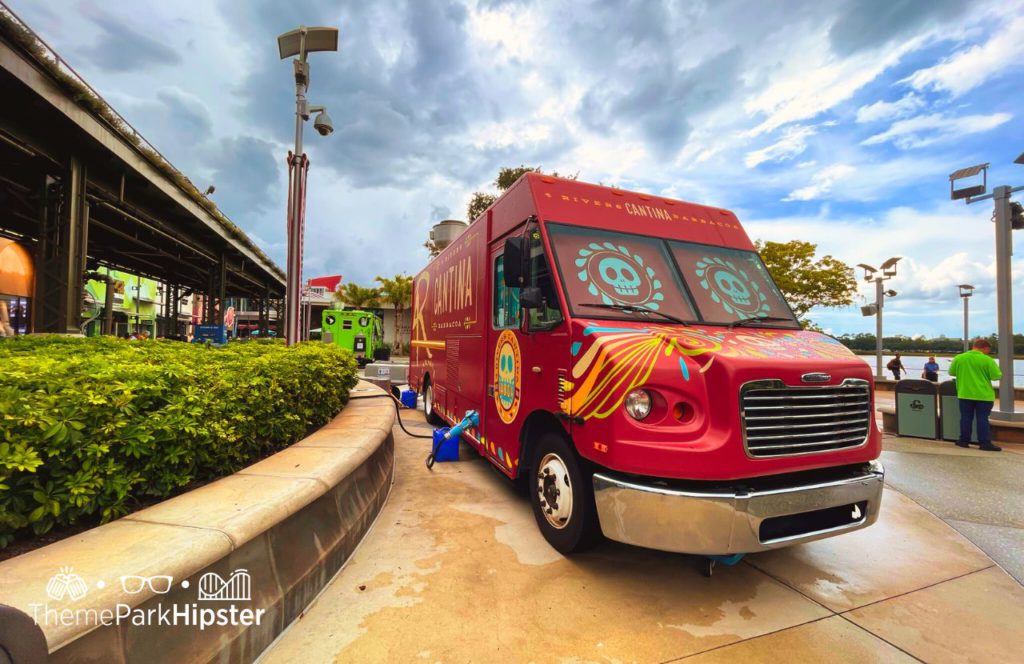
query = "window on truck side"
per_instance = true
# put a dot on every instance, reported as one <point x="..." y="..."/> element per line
<point x="549" y="315"/>
<point x="505" y="307"/>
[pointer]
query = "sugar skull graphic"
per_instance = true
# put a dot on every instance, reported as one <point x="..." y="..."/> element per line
<point x="731" y="287"/>
<point x="618" y="276"/>
<point x="507" y="376"/>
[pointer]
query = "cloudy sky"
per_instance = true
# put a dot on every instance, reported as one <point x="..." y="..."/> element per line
<point x="834" y="122"/>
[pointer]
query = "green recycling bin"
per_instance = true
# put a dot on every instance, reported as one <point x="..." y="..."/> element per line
<point x="917" y="413"/>
<point x="950" y="413"/>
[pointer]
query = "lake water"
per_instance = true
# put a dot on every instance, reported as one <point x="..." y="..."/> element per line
<point x="915" y="365"/>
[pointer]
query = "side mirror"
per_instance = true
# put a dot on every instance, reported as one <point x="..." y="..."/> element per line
<point x="515" y="261"/>
<point x="530" y="297"/>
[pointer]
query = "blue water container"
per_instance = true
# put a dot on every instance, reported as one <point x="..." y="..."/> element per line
<point x="449" y="449"/>
<point x="409" y="399"/>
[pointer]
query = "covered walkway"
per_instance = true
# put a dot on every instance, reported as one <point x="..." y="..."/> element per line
<point x="80" y="188"/>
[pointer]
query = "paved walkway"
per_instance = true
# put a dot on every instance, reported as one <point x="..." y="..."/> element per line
<point x="455" y="570"/>
<point x="980" y="494"/>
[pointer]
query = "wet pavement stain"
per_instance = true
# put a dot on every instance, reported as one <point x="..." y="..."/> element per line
<point x="455" y="570"/>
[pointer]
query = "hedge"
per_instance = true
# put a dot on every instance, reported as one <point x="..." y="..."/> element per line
<point x="90" y="426"/>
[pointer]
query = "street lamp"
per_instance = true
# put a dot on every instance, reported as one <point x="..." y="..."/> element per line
<point x="301" y="42"/>
<point x="878" y="276"/>
<point x="1007" y="217"/>
<point x="966" y="290"/>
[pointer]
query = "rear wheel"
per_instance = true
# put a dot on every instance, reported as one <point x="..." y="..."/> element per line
<point x="428" y="406"/>
<point x="562" y="496"/>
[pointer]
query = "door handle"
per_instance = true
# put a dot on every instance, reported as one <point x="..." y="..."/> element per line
<point x="490" y="390"/>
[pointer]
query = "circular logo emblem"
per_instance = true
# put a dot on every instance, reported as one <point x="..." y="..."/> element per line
<point x="364" y="321"/>
<point x="618" y="275"/>
<point x="730" y="287"/>
<point x="330" y="320"/>
<point x="507" y="377"/>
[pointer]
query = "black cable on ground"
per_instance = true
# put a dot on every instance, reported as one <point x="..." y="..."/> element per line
<point x="398" y="415"/>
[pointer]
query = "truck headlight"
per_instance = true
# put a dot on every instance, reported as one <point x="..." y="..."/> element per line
<point x="638" y="404"/>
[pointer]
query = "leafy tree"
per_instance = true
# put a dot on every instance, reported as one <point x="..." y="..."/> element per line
<point x="507" y="177"/>
<point x="396" y="291"/>
<point x="806" y="282"/>
<point x="357" y="297"/>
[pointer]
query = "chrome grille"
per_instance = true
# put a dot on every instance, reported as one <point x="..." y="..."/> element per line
<point x="779" y="420"/>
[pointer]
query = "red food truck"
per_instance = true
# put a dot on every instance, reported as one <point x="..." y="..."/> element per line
<point x="633" y="362"/>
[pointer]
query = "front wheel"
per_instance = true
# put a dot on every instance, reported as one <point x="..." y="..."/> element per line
<point x="562" y="496"/>
<point x="428" y="406"/>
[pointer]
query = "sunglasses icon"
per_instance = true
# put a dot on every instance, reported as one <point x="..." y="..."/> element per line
<point x="158" y="584"/>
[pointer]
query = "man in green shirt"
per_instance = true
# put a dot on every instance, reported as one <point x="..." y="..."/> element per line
<point x="974" y="372"/>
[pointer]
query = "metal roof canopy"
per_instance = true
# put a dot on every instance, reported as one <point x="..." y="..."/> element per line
<point x="139" y="219"/>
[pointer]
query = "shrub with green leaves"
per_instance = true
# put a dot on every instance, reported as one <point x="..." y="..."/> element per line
<point x="88" y="426"/>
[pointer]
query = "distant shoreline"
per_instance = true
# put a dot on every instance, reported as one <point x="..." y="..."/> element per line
<point x="918" y="353"/>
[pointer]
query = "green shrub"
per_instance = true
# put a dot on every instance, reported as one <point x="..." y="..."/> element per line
<point x="87" y="426"/>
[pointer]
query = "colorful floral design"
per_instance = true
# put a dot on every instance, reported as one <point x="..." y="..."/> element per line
<point x="622" y="359"/>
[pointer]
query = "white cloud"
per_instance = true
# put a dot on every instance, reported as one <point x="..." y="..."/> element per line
<point x="969" y="68"/>
<point x="885" y="110"/>
<point x="927" y="129"/>
<point x="821" y="183"/>
<point x="792" y="143"/>
<point x="927" y="276"/>
<point x="821" y="82"/>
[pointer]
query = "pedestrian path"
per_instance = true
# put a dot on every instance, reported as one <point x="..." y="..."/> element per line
<point x="975" y="492"/>
<point x="455" y="570"/>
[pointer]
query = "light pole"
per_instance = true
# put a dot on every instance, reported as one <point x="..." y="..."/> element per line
<point x="301" y="42"/>
<point x="878" y="277"/>
<point x="966" y="290"/>
<point x="1008" y="217"/>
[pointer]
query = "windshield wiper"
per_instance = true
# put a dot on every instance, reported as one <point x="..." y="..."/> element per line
<point x="757" y="319"/>
<point x="635" y="308"/>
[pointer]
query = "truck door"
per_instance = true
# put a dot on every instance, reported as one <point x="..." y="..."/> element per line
<point x="528" y="350"/>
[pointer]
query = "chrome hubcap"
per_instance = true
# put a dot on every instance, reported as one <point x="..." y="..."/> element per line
<point x="428" y="400"/>
<point x="554" y="490"/>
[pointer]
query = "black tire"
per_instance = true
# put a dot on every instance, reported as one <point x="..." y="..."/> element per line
<point x="579" y="528"/>
<point x="428" y="405"/>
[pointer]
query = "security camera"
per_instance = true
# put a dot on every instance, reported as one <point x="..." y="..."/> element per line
<point x="322" y="123"/>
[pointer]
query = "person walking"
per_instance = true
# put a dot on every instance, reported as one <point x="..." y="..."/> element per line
<point x="931" y="370"/>
<point x="974" y="372"/>
<point x="896" y="366"/>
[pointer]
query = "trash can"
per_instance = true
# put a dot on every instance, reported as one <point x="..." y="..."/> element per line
<point x="950" y="413"/>
<point x="917" y="412"/>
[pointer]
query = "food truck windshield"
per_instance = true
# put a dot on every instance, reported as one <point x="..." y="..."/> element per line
<point x="625" y="276"/>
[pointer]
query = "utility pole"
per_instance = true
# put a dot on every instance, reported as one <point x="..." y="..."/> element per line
<point x="878" y="277"/>
<point x="966" y="291"/>
<point x="301" y="42"/>
<point x="1007" y="219"/>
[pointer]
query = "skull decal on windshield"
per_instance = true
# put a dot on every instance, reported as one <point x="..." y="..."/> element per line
<point x="731" y="287"/>
<point x="618" y="276"/>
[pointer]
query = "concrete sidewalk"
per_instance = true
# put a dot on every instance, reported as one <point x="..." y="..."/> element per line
<point x="455" y="570"/>
<point x="977" y="493"/>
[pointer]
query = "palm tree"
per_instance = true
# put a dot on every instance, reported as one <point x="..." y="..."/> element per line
<point x="354" y="295"/>
<point x="396" y="291"/>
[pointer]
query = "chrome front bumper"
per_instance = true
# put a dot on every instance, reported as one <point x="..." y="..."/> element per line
<point x="737" y="521"/>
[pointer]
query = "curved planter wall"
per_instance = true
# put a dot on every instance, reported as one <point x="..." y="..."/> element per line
<point x="289" y="521"/>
